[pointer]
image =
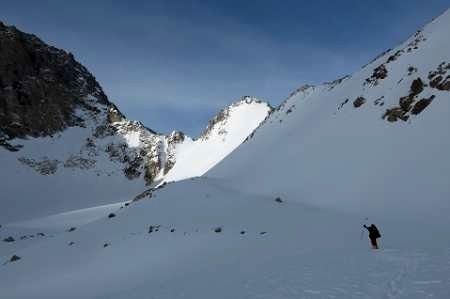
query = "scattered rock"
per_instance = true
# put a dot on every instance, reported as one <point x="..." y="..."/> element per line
<point x="411" y="70"/>
<point x="9" y="239"/>
<point x="379" y="102"/>
<point x="111" y="215"/>
<point x="439" y="78"/>
<point x="394" y="114"/>
<point x="153" y="228"/>
<point x="14" y="258"/>
<point x="44" y="167"/>
<point x="75" y="161"/>
<point x="379" y="73"/>
<point x="359" y="102"/>
<point x="342" y="104"/>
<point x="290" y="109"/>
<point x="147" y="193"/>
<point x="421" y="105"/>
<point x="416" y="86"/>
<point x="394" y="56"/>
<point x="406" y="103"/>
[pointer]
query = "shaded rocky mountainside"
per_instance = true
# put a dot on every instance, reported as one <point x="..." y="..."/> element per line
<point x="373" y="141"/>
<point x="64" y="145"/>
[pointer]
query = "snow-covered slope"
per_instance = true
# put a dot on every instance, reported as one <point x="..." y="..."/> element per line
<point x="200" y="239"/>
<point x="281" y="217"/>
<point x="65" y="146"/>
<point x="225" y="132"/>
<point x="374" y="142"/>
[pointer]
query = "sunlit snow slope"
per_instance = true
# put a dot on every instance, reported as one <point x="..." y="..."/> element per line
<point x="225" y="132"/>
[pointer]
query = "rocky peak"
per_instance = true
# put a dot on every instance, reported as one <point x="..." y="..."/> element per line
<point x="221" y="117"/>
<point x="41" y="87"/>
<point x="175" y="137"/>
<point x="303" y="88"/>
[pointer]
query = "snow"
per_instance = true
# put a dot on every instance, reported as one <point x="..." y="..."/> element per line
<point x="97" y="178"/>
<point x="334" y="167"/>
<point x="194" y="158"/>
<point x="132" y="139"/>
<point x="33" y="195"/>
<point x="351" y="159"/>
<point x="68" y="219"/>
<point x="306" y="252"/>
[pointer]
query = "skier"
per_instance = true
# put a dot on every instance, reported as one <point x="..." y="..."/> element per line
<point x="374" y="234"/>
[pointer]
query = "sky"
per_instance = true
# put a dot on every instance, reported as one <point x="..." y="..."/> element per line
<point x="174" y="64"/>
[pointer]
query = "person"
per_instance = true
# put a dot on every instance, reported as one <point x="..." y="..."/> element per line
<point x="374" y="234"/>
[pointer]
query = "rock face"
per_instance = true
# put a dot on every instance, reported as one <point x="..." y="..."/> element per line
<point x="44" y="91"/>
<point x="41" y="87"/>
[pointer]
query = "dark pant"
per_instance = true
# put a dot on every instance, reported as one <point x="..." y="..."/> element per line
<point x="373" y="241"/>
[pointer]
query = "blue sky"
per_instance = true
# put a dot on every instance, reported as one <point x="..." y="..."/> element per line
<point x="174" y="64"/>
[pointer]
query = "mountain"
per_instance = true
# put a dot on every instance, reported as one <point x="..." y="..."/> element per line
<point x="282" y="215"/>
<point x="372" y="142"/>
<point x="226" y="131"/>
<point x="65" y="146"/>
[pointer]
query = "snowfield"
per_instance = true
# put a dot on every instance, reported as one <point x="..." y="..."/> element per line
<point x="265" y="249"/>
<point x="282" y="215"/>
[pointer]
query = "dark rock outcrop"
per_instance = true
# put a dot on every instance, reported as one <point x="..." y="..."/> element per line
<point x="439" y="78"/>
<point x="41" y="86"/>
<point x="421" y="105"/>
<point x="406" y="105"/>
<point x="14" y="258"/>
<point x="8" y="239"/>
<point x="359" y="102"/>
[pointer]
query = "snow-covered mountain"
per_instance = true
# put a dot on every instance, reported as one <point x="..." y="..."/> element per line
<point x="226" y="131"/>
<point x="281" y="216"/>
<point x="377" y="140"/>
<point x="65" y="146"/>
